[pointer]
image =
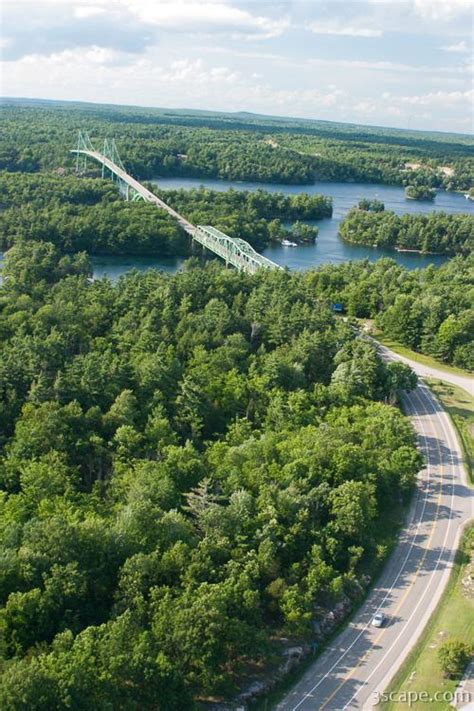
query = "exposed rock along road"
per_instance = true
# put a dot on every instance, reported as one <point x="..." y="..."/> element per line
<point x="361" y="661"/>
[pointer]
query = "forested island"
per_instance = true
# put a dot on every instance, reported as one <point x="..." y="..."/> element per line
<point x="255" y="216"/>
<point x="420" y="192"/>
<point x="435" y="233"/>
<point x="371" y="205"/>
<point x="194" y="468"/>
<point x="78" y="213"/>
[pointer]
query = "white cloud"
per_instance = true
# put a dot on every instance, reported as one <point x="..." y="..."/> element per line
<point x="441" y="98"/>
<point x="265" y="56"/>
<point x="193" y="71"/>
<point x="205" y="16"/>
<point x="427" y="9"/>
<point x="332" y="28"/>
<point x="101" y="55"/>
<point x="78" y="57"/>
<point x="443" y="9"/>
<point x="291" y="63"/>
<point x="386" y="67"/>
<point x="458" y="47"/>
<point x="187" y="16"/>
<point x="194" y="83"/>
<point x="84" y="11"/>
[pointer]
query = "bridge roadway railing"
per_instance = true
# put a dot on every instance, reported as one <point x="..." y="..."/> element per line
<point x="139" y="188"/>
<point x="233" y="250"/>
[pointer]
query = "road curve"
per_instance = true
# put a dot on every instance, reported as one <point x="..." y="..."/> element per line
<point x="426" y="371"/>
<point x="360" y="662"/>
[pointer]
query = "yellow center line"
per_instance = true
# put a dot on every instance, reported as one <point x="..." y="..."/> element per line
<point x="403" y="598"/>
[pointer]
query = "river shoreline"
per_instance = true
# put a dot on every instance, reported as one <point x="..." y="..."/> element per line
<point x="329" y="247"/>
<point x="402" y="250"/>
<point x="420" y="251"/>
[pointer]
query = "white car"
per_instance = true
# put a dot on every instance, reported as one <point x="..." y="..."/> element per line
<point x="378" y="620"/>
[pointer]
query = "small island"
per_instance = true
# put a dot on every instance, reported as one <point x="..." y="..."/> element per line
<point x="371" y="205"/>
<point x="292" y="236"/>
<point x="419" y="192"/>
<point x="434" y="233"/>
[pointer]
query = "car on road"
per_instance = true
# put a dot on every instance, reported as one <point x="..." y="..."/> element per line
<point x="378" y="620"/>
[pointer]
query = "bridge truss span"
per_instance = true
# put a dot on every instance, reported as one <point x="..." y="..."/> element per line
<point x="232" y="250"/>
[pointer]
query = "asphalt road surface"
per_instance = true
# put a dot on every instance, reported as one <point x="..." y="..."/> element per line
<point x="427" y="371"/>
<point x="360" y="662"/>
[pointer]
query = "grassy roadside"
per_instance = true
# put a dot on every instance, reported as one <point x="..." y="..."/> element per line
<point x="454" y="616"/>
<point x="419" y="357"/>
<point x="460" y="406"/>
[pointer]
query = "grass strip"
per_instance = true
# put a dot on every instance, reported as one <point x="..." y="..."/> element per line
<point x="453" y="618"/>
<point x="460" y="407"/>
<point x="427" y="360"/>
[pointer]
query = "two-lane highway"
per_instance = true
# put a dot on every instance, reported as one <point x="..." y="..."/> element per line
<point x="465" y="382"/>
<point x="359" y="664"/>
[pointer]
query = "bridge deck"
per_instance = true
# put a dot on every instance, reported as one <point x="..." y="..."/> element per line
<point x="233" y="250"/>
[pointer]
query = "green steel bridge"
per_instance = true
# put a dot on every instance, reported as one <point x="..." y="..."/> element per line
<point x="232" y="250"/>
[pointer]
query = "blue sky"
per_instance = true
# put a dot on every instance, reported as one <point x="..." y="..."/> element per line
<point x="404" y="63"/>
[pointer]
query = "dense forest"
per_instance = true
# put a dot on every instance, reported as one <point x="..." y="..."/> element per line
<point x="435" y="232"/>
<point x="159" y="143"/>
<point x="83" y="214"/>
<point x="257" y="217"/>
<point x="199" y="470"/>
<point x="88" y="214"/>
<point x="429" y="310"/>
<point x="194" y="467"/>
<point x="420" y="192"/>
<point x="395" y="162"/>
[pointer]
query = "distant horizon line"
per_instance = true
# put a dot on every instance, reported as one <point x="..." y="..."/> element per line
<point x="241" y="112"/>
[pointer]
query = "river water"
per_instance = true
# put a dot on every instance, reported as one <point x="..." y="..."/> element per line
<point x="328" y="247"/>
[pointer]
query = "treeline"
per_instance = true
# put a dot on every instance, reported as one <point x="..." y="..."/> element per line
<point x="41" y="190"/>
<point x="83" y="215"/>
<point x="156" y="144"/>
<point x="420" y="192"/>
<point x="428" y="143"/>
<point x="148" y="151"/>
<point x="436" y="232"/>
<point x="193" y="468"/>
<point x="393" y="162"/>
<point x="256" y="217"/>
<point x="267" y="205"/>
<point x="115" y="228"/>
<point x="88" y="214"/>
<point x="228" y="157"/>
<point x="429" y="310"/>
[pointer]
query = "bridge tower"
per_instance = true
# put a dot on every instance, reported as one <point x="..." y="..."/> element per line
<point x="232" y="250"/>
<point x="109" y="151"/>
<point x="84" y="143"/>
